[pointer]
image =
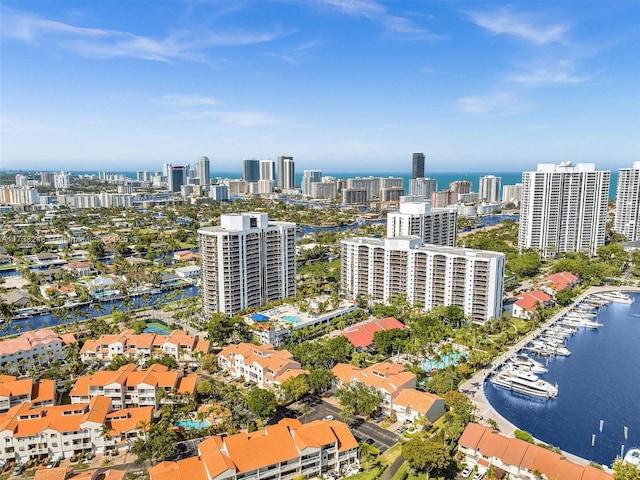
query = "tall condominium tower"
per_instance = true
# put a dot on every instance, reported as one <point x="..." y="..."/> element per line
<point x="564" y="208"/>
<point x="430" y="275"/>
<point x="246" y="262"/>
<point x="416" y="217"/>
<point x="460" y="186"/>
<point x="424" y="187"/>
<point x="309" y="177"/>
<point x="204" y="172"/>
<point x="250" y="170"/>
<point x="490" y="188"/>
<point x="417" y="168"/>
<point x="512" y="193"/>
<point x="176" y="178"/>
<point x="627" y="218"/>
<point x="268" y="170"/>
<point x="286" y="173"/>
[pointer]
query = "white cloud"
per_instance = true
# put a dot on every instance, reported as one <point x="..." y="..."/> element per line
<point x="498" y="104"/>
<point x="377" y="12"/>
<point x="560" y="73"/>
<point x="504" y="22"/>
<point x="105" y="44"/>
<point x="186" y="100"/>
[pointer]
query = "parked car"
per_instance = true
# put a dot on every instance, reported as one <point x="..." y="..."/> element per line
<point x="328" y="417"/>
<point x="53" y="463"/>
<point x="89" y="456"/>
<point x="478" y="476"/>
<point x="18" y="469"/>
<point x="466" y="473"/>
<point x="404" y="428"/>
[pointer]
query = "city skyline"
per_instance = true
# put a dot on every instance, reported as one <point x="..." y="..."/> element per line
<point x="334" y="83"/>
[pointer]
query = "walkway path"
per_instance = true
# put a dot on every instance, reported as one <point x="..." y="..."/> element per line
<point x="473" y="386"/>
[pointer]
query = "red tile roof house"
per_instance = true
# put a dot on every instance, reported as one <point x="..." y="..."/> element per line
<point x="361" y="335"/>
<point x="557" y="282"/>
<point x="521" y="460"/>
<point x="411" y="404"/>
<point x="525" y="304"/>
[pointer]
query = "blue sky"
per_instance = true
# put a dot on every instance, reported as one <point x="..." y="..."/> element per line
<point x="342" y="85"/>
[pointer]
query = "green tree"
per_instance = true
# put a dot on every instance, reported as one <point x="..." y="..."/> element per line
<point x="522" y="435"/>
<point x="358" y="397"/>
<point x="205" y="388"/>
<point x="209" y="362"/>
<point x="320" y="380"/>
<point x="390" y="341"/>
<point x="625" y="471"/>
<point x="158" y="444"/>
<point x="295" y="387"/>
<point x="165" y="359"/>
<point x="426" y="455"/>
<point x="262" y="403"/>
<point x="118" y="361"/>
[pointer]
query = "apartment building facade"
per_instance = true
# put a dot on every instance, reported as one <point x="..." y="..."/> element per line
<point x="627" y="218"/>
<point x="564" y="209"/>
<point x="430" y="275"/>
<point x="415" y="217"/>
<point x="14" y="391"/>
<point x="246" y="262"/>
<point x="36" y="347"/>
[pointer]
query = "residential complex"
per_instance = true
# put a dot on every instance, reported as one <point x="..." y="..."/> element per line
<point x="37" y="347"/>
<point x="14" y="391"/>
<point x="416" y="217"/>
<point x="563" y="209"/>
<point x="128" y="387"/>
<point x="246" y="262"/>
<point x="30" y="431"/>
<point x="485" y="447"/>
<point x="627" y="218"/>
<point x="261" y="364"/>
<point x="186" y="349"/>
<point x="430" y="275"/>
<point x="283" y="451"/>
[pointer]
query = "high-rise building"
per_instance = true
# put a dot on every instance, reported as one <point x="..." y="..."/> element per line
<point x="286" y="173"/>
<point x="219" y="192"/>
<point x="354" y="196"/>
<point x="250" y="170"/>
<point x="324" y="190"/>
<point x="268" y="170"/>
<point x="204" y="171"/>
<point x="460" y="186"/>
<point x="416" y="217"/>
<point x="62" y="179"/>
<point x="423" y="187"/>
<point x="429" y="275"/>
<point x="177" y="178"/>
<point x="444" y="198"/>
<point x="627" y="218"/>
<point x="563" y="208"/>
<point x="490" y="188"/>
<point x="512" y="193"/>
<point x="417" y="170"/>
<point x="246" y="262"/>
<point x="308" y="177"/>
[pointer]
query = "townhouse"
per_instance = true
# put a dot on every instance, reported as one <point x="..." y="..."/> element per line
<point x="261" y="364"/>
<point x="14" y="391"/>
<point x="410" y="404"/>
<point x="557" y="282"/>
<point x="361" y="335"/>
<point x="186" y="349"/>
<point x="31" y="348"/>
<point x="28" y="432"/>
<point x="128" y="387"/>
<point x="526" y="304"/>
<point x="520" y="460"/>
<point x="309" y="450"/>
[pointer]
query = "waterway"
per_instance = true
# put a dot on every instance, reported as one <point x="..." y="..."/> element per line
<point x="599" y="381"/>
<point x="87" y="311"/>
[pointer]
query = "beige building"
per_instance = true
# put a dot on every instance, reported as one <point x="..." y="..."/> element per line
<point x="416" y="217"/>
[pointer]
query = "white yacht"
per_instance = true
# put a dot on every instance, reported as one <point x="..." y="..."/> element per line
<point x="521" y="384"/>
<point x="619" y="297"/>
<point x="633" y="457"/>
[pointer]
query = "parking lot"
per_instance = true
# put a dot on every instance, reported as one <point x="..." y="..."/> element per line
<point x="362" y="430"/>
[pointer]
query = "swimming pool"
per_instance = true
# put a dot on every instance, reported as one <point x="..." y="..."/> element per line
<point x="445" y="361"/>
<point x="291" y="319"/>
<point x="193" y="424"/>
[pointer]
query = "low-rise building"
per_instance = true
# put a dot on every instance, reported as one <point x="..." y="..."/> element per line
<point x="15" y="391"/>
<point x="521" y="460"/>
<point x="128" y="387"/>
<point x="361" y="334"/>
<point x="388" y="378"/>
<point x="192" y="271"/>
<point x="525" y="304"/>
<point x="31" y="348"/>
<point x="411" y="404"/>
<point x="557" y="282"/>
<point x="262" y="364"/>
<point x="186" y="349"/>
<point x="29" y="432"/>
<point x="302" y="450"/>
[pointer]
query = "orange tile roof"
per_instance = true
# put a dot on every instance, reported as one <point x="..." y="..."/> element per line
<point x="29" y="340"/>
<point x="529" y="300"/>
<point x="44" y="391"/>
<point x="130" y="419"/>
<point x="86" y="475"/>
<point x="361" y="335"/>
<point x="57" y="473"/>
<point x="191" y="468"/>
<point x="17" y="387"/>
<point x="419" y="401"/>
<point x="187" y="384"/>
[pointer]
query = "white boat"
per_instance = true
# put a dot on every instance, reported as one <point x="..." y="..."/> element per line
<point x="537" y="388"/>
<point x="527" y="362"/>
<point x="563" y="351"/>
<point x="619" y="297"/>
<point x="633" y="457"/>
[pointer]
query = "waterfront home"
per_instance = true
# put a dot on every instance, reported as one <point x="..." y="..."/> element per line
<point x="388" y="378"/>
<point x="29" y="432"/>
<point x="261" y="364"/>
<point x="308" y="451"/>
<point x="5" y="260"/>
<point x="557" y="282"/>
<point x="186" y="349"/>
<point x="192" y="271"/>
<point x="525" y="304"/>
<point x="361" y="334"/>
<point x="485" y="447"/>
<point x="14" y="391"/>
<point x="411" y="404"/>
<point x="42" y="259"/>
<point x="128" y="387"/>
<point x="79" y="269"/>
<point x="31" y="348"/>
